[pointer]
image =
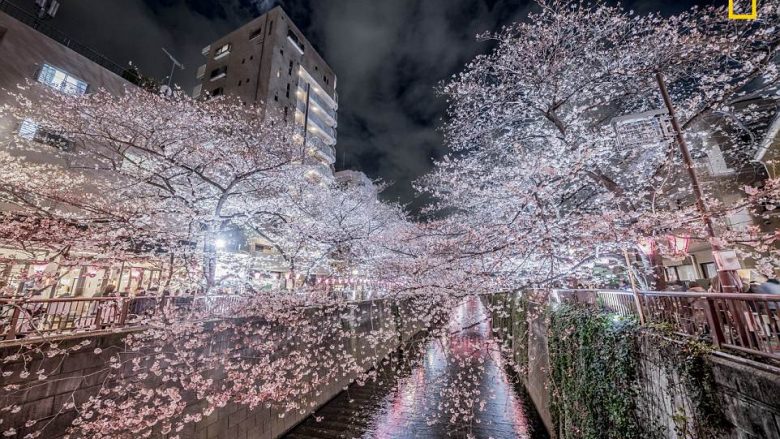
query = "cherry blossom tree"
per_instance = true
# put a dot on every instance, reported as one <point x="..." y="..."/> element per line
<point x="170" y="171"/>
<point x="539" y="182"/>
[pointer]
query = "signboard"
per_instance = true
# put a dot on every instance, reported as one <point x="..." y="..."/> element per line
<point x="727" y="260"/>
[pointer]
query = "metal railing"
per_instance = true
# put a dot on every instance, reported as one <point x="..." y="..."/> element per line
<point x="743" y="322"/>
<point x="26" y="318"/>
<point x="40" y="25"/>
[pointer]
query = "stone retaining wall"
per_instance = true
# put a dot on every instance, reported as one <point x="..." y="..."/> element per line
<point x="749" y="391"/>
<point x="81" y="373"/>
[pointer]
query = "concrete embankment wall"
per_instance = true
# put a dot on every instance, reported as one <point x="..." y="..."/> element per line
<point x="81" y="373"/>
<point x="748" y="391"/>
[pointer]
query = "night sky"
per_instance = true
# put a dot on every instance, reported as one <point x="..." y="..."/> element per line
<point x="389" y="56"/>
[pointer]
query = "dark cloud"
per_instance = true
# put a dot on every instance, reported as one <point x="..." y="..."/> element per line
<point x="389" y="56"/>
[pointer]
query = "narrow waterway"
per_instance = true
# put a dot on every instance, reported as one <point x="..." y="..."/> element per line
<point x="449" y="387"/>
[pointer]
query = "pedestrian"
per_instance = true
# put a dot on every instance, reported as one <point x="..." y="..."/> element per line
<point x="771" y="286"/>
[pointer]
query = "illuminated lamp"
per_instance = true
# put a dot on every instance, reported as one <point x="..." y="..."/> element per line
<point x="679" y="244"/>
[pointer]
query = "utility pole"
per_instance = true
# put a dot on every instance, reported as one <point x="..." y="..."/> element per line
<point x="726" y="277"/>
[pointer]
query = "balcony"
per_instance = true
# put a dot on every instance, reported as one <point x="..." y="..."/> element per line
<point x="197" y="90"/>
<point x="201" y="72"/>
<point x="327" y="102"/>
<point x="206" y="50"/>
<point x="325" y="116"/>
<point x="324" y="153"/>
<point x="328" y="113"/>
<point x="318" y="128"/>
<point x="319" y="173"/>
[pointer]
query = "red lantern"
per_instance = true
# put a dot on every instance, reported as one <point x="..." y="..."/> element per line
<point x="679" y="244"/>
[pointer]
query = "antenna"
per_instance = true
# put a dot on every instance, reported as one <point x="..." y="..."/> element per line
<point x="173" y="67"/>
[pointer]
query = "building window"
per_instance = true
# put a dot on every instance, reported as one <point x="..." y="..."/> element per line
<point x="217" y="92"/>
<point x="289" y="71"/>
<point x="325" y="78"/>
<point x="281" y="52"/>
<point x="276" y="97"/>
<point x="27" y="129"/>
<point x="288" y="90"/>
<point x="709" y="270"/>
<point x="219" y="72"/>
<point x="243" y="60"/>
<point x="239" y="82"/>
<point x="295" y="41"/>
<point x="222" y="51"/>
<point x="285" y="113"/>
<point x="256" y="33"/>
<point x="270" y="27"/>
<point x="30" y="130"/>
<point x="61" y="80"/>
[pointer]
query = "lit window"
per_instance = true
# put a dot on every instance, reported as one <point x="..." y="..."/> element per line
<point x="27" y="129"/>
<point x="30" y="130"/>
<point x="222" y="51"/>
<point x="61" y="80"/>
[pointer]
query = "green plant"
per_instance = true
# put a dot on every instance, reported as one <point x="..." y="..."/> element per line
<point x="593" y="364"/>
<point x="688" y="360"/>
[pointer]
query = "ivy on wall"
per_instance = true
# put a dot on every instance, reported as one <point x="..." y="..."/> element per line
<point x="593" y="367"/>
<point x="687" y="359"/>
<point x="594" y="363"/>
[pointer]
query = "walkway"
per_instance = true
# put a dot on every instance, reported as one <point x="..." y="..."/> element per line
<point x="456" y="387"/>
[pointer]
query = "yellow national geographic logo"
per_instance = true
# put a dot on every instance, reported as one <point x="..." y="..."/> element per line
<point x="751" y="16"/>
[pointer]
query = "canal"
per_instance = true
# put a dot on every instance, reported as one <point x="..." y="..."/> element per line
<point x="456" y="386"/>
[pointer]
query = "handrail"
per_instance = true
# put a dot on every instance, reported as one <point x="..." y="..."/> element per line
<point x="26" y="317"/>
<point x="57" y="35"/>
<point x="744" y="322"/>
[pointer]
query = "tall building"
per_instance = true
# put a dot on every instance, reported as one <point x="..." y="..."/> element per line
<point x="269" y="62"/>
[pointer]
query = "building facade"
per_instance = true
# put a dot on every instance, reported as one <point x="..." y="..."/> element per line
<point x="727" y="158"/>
<point x="268" y="62"/>
<point x="33" y="51"/>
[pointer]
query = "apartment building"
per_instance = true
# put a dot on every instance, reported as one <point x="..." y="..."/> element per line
<point x="728" y="156"/>
<point x="269" y="62"/>
<point x="32" y="50"/>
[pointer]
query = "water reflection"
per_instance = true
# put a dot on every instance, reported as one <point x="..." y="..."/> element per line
<point x="455" y="386"/>
<point x="461" y="388"/>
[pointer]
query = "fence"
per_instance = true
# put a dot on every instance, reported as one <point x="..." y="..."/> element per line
<point x="24" y="318"/>
<point x="743" y="322"/>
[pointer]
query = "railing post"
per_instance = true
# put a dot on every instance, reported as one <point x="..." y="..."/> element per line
<point x="123" y="313"/>
<point x="11" y="334"/>
<point x="716" y="331"/>
<point x="98" y="311"/>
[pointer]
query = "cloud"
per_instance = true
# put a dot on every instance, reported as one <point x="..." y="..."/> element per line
<point x="388" y="55"/>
